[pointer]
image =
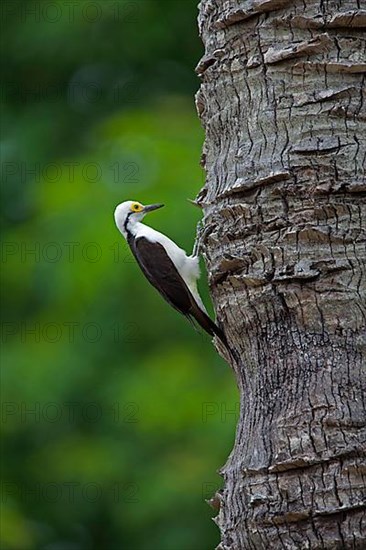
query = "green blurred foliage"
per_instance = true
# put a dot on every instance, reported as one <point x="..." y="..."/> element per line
<point x="116" y="414"/>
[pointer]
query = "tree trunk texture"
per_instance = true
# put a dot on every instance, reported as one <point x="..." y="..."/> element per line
<point x="282" y="102"/>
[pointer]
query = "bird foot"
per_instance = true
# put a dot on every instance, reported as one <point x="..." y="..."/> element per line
<point x="198" y="244"/>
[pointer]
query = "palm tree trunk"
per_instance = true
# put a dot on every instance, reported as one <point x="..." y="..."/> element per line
<point x="282" y="102"/>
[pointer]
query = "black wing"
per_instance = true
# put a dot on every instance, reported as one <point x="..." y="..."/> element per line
<point x="164" y="276"/>
<point x="162" y="273"/>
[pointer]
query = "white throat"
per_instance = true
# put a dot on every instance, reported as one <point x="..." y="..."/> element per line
<point x="127" y="224"/>
<point x="132" y="226"/>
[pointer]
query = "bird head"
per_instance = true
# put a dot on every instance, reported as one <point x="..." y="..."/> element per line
<point x="130" y="212"/>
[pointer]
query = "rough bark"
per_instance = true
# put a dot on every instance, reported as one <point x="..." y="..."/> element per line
<point x="282" y="102"/>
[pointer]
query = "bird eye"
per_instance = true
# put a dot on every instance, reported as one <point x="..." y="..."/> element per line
<point x="136" y="207"/>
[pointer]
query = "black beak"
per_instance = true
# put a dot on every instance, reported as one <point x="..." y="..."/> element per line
<point x="151" y="207"/>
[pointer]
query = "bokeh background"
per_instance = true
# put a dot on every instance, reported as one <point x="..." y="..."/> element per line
<point x="116" y="414"/>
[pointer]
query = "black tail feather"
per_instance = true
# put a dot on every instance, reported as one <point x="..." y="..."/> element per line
<point x="196" y="314"/>
<point x="208" y="324"/>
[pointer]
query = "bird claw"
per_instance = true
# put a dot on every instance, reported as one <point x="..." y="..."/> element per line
<point x="198" y="242"/>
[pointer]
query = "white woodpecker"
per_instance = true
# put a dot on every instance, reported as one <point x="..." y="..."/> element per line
<point x="166" y="266"/>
